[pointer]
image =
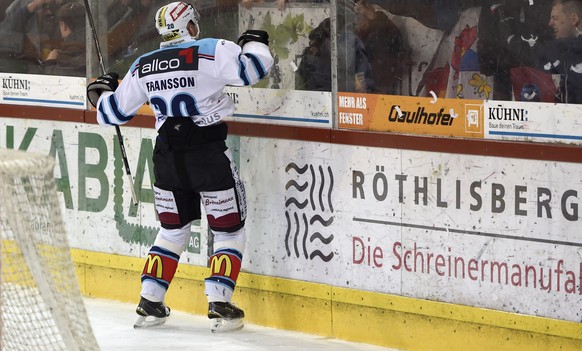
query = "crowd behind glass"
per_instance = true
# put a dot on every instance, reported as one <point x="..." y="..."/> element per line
<point x="523" y="50"/>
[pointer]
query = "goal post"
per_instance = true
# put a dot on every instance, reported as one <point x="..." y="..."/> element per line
<point x="41" y="303"/>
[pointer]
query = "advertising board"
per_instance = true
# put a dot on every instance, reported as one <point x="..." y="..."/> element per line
<point x="42" y="90"/>
<point x="411" y="115"/>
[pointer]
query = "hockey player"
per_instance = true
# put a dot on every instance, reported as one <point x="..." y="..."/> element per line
<point x="183" y="82"/>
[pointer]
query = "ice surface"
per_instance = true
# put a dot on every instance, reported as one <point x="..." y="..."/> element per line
<point x="112" y="323"/>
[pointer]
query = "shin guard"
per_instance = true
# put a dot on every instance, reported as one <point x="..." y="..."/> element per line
<point x="225" y="266"/>
<point x="158" y="272"/>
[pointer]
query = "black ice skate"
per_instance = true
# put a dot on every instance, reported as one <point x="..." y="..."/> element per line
<point x="150" y="313"/>
<point x="225" y="317"/>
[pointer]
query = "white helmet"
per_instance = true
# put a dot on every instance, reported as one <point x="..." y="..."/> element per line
<point x="172" y="20"/>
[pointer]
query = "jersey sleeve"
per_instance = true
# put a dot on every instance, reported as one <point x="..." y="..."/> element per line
<point x="244" y="66"/>
<point x="116" y="108"/>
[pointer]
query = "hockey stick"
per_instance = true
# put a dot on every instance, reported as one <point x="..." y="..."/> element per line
<point x="117" y="129"/>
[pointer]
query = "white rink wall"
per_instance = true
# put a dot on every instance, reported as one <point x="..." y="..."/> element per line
<point x="463" y="229"/>
<point x="344" y="241"/>
<point x="471" y="230"/>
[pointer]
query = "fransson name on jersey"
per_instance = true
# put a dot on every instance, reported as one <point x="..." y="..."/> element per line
<point x="170" y="83"/>
<point x="186" y="80"/>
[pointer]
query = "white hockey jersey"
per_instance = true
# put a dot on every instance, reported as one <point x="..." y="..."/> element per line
<point x="186" y="80"/>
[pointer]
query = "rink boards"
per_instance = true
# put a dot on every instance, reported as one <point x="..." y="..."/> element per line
<point x="392" y="246"/>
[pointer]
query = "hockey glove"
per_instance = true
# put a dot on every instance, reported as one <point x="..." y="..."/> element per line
<point x="107" y="82"/>
<point x="253" y="35"/>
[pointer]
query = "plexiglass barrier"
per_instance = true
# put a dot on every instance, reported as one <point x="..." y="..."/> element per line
<point x="369" y="64"/>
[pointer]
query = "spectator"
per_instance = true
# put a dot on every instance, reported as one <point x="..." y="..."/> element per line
<point x="385" y="47"/>
<point x="314" y="72"/>
<point x="29" y="33"/>
<point x="510" y="34"/>
<point x="3" y="6"/>
<point x="132" y="35"/>
<point x="565" y="18"/>
<point x="444" y="50"/>
<point x="563" y="55"/>
<point x="69" y="58"/>
<point x="118" y="11"/>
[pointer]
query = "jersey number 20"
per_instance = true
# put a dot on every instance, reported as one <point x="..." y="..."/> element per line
<point x="181" y="105"/>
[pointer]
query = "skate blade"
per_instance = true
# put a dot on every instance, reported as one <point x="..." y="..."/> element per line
<point x="147" y="322"/>
<point x="222" y="325"/>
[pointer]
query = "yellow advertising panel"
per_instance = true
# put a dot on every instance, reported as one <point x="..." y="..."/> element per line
<point x="411" y="115"/>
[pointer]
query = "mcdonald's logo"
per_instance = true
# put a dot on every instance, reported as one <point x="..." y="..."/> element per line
<point x="154" y="261"/>
<point x="216" y="265"/>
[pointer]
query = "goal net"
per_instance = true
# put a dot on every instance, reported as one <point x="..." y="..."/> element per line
<point x="41" y="303"/>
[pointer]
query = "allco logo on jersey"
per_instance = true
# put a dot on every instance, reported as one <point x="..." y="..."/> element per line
<point x="169" y="61"/>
